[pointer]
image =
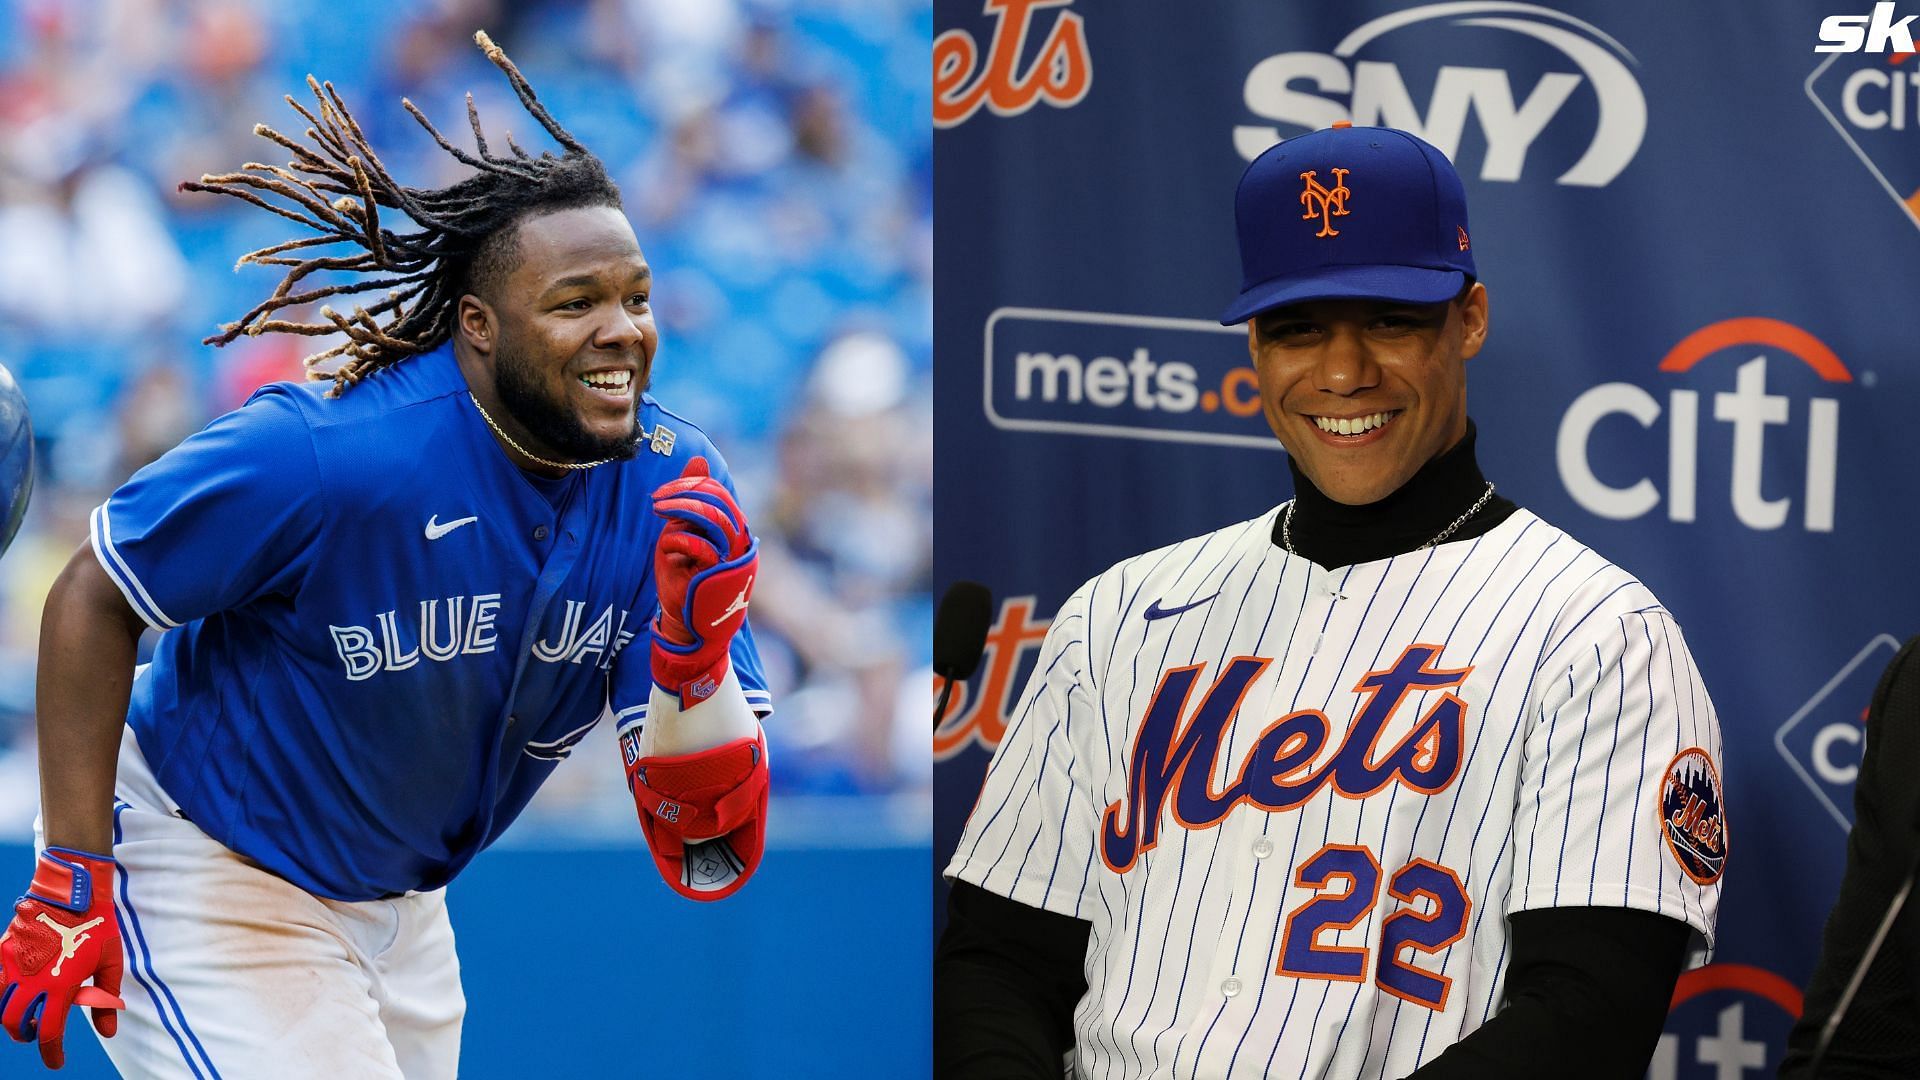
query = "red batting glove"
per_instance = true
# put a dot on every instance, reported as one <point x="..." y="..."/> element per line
<point x="63" y="933"/>
<point x="703" y="572"/>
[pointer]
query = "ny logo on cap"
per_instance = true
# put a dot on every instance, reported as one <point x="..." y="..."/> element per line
<point x="1323" y="203"/>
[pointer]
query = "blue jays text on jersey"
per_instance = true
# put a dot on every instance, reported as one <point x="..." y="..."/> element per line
<point x="382" y="634"/>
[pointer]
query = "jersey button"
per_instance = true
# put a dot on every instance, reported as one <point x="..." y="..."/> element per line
<point x="1262" y="848"/>
<point x="1231" y="988"/>
<point x="512" y="720"/>
<point x="540" y="532"/>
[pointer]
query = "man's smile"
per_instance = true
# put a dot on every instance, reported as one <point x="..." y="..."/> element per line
<point x="1353" y="431"/>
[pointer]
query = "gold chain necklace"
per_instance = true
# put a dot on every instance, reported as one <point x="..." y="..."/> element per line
<point x="523" y="451"/>
<point x="1286" y="523"/>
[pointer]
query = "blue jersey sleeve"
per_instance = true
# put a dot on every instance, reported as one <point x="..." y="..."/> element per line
<point x="632" y="681"/>
<point x="228" y="516"/>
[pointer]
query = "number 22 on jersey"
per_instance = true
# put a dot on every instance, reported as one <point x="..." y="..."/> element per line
<point x="1356" y="873"/>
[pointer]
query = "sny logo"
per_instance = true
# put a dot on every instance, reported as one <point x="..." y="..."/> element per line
<point x="1312" y="90"/>
<point x="1277" y="774"/>
<point x="1060" y="75"/>
<point x="1876" y="33"/>
<point x="1324" y="204"/>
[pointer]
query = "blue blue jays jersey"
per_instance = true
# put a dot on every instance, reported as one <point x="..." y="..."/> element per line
<point x="381" y="634"/>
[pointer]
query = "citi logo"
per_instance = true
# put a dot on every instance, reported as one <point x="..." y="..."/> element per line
<point x="1875" y="33"/>
<point x="1823" y="741"/>
<point x="1871" y="98"/>
<point x="1748" y="409"/>
<point x="1060" y="73"/>
<point x="1370" y="92"/>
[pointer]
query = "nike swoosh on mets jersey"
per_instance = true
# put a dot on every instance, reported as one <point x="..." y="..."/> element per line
<point x="1155" y="611"/>
<point x="435" y="530"/>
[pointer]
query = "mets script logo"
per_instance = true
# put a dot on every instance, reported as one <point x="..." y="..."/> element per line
<point x="1059" y="75"/>
<point x="1324" y="204"/>
<point x="1278" y="773"/>
<point x="1690" y="815"/>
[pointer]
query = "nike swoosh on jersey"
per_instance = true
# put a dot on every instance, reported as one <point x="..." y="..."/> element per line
<point x="435" y="530"/>
<point x="1155" y="611"/>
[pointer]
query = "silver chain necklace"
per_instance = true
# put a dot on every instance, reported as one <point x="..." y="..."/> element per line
<point x="530" y="456"/>
<point x="1286" y="523"/>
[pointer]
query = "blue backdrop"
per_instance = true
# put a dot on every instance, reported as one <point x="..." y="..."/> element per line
<point x="1699" y="239"/>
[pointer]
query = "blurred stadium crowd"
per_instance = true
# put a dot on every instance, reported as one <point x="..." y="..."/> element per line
<point x="777" y="166"/>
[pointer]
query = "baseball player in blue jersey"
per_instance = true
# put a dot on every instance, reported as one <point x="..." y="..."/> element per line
<point x="1394" y="779"/>
<point x="388" y="611"/>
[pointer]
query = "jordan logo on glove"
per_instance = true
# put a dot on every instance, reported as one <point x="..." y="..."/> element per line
<point x="705" y="552"/>
<point x="63" y="936"/>
<point x="739" y="604"/>
<point x="70" y="938"/>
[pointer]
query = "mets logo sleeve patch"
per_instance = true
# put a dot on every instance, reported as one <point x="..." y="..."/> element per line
<point x="1691" y="817"/>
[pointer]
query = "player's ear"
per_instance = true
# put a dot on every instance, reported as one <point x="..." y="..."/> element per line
<point x="474" y="321"/>
<point x="1473" y="320"/>
<point x="1253" y="341"/>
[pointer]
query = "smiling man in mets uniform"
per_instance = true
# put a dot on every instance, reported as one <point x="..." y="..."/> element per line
<point x="1394" y="779"/>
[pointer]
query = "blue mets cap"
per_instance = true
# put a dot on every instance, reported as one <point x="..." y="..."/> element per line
<point x="1364" y="213"/>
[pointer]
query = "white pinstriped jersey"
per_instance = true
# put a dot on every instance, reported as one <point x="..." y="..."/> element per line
<point x="1297" y="804"/>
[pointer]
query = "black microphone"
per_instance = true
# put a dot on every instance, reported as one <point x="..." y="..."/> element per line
<point x="1880" y="935"/>
<point x="959" y="636"/>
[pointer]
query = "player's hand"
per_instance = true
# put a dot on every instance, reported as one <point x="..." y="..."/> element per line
<point x="703" y="571"/>
<point x="63" y="933"/>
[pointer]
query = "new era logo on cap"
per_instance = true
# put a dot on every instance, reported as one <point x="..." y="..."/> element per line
<point x="1350" y="213"/>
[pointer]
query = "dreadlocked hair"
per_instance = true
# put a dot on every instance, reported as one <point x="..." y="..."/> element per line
<point x="336" y="186"/>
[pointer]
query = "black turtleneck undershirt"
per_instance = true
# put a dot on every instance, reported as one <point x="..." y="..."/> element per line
<point x="1587" y="987"/>
<point x="1334" y="534"/>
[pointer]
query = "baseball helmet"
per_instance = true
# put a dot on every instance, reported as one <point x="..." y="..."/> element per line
<point x="16" y="457"/>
